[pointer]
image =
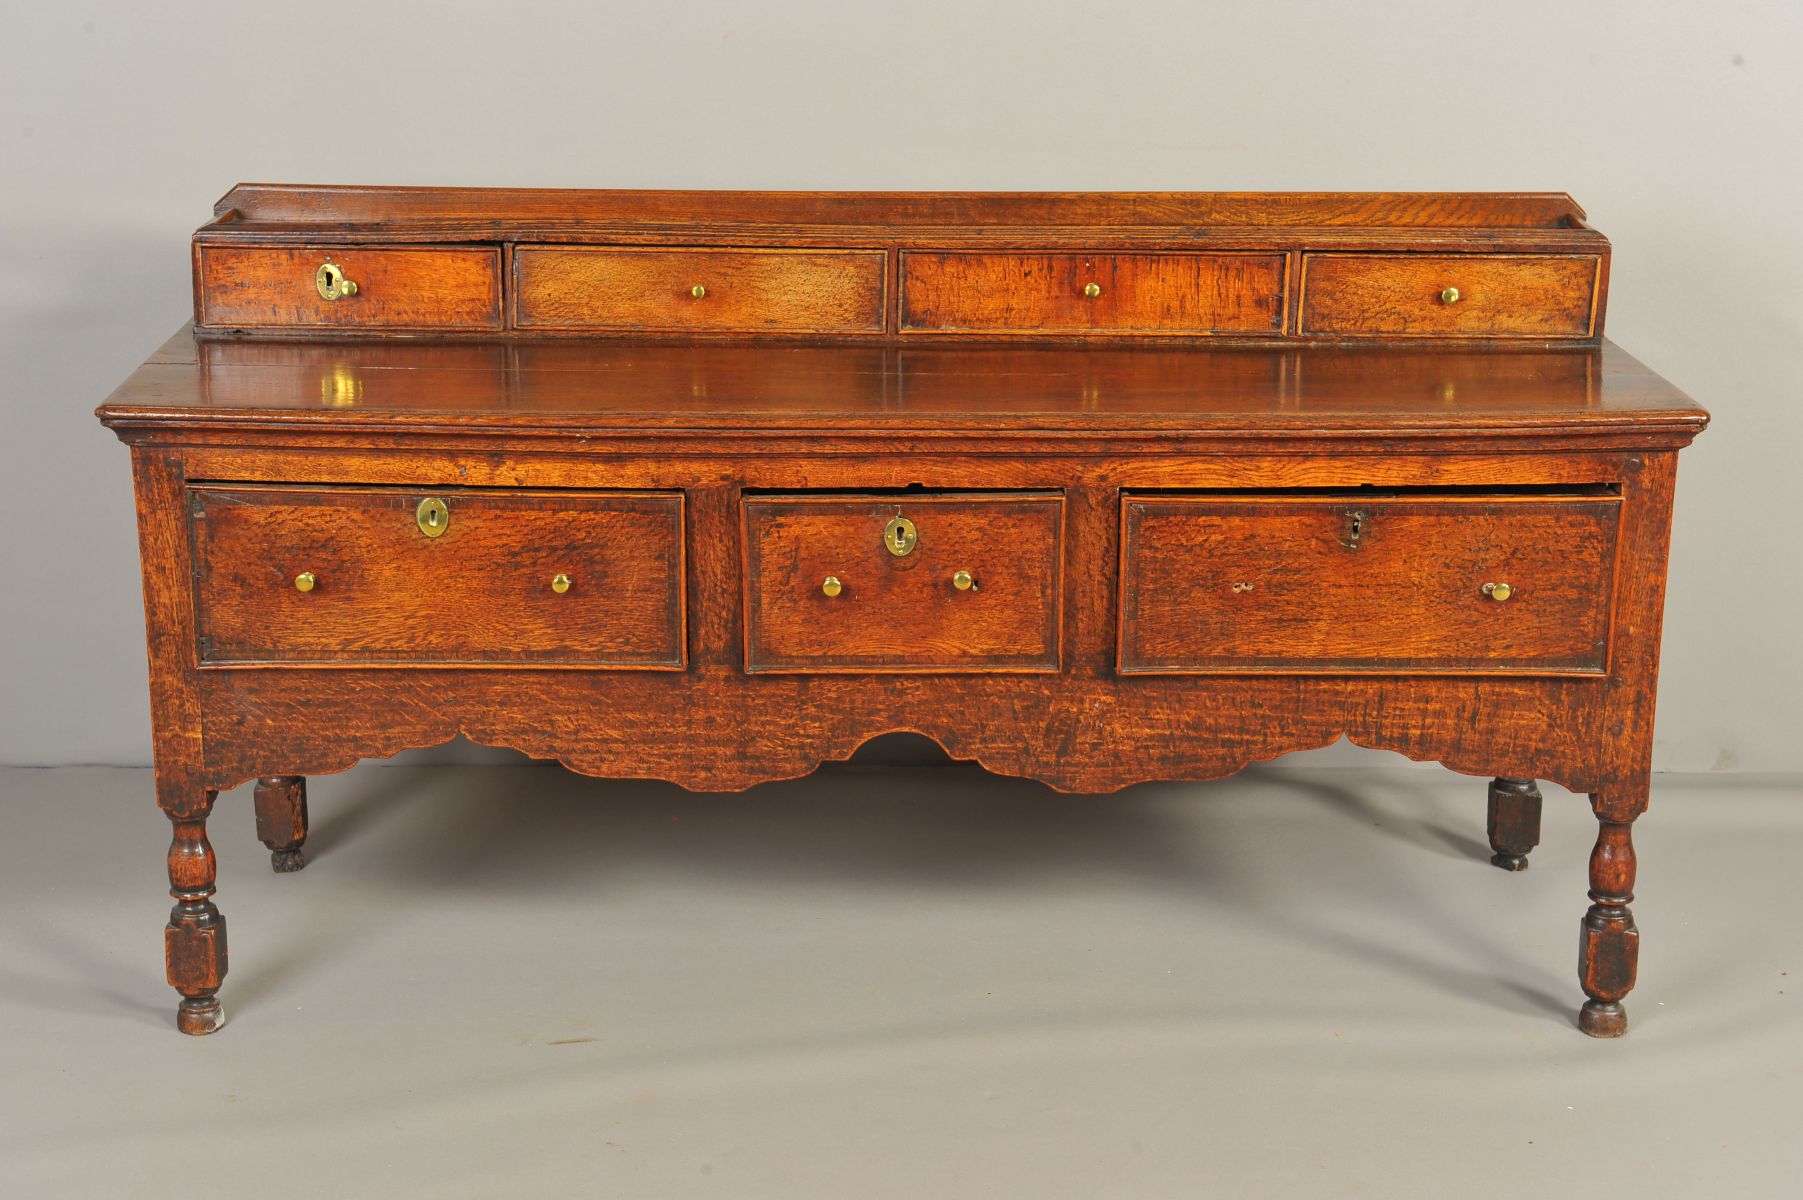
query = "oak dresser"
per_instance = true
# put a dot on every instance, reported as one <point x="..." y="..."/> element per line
<point x="713" y="487"/>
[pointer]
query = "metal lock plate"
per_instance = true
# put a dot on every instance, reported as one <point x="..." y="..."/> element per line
<point x="331" y="283"/>
<point x="433" y="516"/>
<point x="900" y="536"/>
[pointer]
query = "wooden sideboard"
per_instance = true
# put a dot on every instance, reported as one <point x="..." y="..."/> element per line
<point x="714" y="487"/>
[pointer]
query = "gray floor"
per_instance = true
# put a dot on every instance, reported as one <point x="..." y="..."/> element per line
<point x="920" y="982"/>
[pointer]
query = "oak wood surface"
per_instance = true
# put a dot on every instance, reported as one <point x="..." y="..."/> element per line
<point x="382" y="591"/>
<point x="1037" y="294"/>
<point x="1364" y="582"/>
<point x="271" y="286"/>
<point x="1498" y="295"/>
<point x="903" y="612"/>
<point x="644" y="289"/>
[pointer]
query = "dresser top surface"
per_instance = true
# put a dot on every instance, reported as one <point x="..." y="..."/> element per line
<point x="624" y="387"/>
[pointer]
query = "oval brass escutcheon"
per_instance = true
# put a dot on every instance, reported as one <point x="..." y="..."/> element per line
<point x="331" y="282"/>
<point x="900" y="536"/>
<point x="433" y="515"/>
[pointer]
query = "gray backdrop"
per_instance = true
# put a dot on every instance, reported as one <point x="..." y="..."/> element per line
<point x="1678" y="125"/>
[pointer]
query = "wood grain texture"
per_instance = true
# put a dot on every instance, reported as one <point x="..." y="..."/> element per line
<point x="1359" y="582"/>
<point x="274" y="287"/>
<point x="480" y="593"/>
<point x="1542" y="296"/>
<point x="640" y="290"/>
<point x="1040" y="294"/>
<point x="903" y="613"/>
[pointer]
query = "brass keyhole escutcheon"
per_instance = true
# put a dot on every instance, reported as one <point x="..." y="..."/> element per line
<point x="332" y="283"/>
<point x="900" y="536"/>
<point x="433" y="516"/>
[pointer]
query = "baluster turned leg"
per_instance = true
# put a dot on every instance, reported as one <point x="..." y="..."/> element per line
<point x="1609" y="948"/>
<point x="1513" y="821"/>
<point x="194" y="942"/>
<point x="281" y="803"/>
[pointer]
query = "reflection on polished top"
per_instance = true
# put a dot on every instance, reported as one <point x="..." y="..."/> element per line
<point x="618" y="385"/>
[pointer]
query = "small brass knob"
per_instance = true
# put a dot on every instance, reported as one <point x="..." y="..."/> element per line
<point x="831" y="585"/>
<point x="1092" y="290"/>
<point x="560" y="583"/>
<point x="698" y="291"/>
<point x="1449" y="296"/>
<point x="304" y="581"/>
<point x="962" y="581"/>
<point x="1498" y="591"/>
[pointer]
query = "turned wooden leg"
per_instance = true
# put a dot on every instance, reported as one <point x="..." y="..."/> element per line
<point x="194" y="942"/>
<point x="1513" y="821"/>
<point x="282" y="819"/>
<point x="1609" y="945"/>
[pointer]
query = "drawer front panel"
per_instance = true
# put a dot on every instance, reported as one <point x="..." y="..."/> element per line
<point x="1450" y="295"/>
<point x="1512" y="585"/>
<point x="653" y="290"/>
<point x="514" y="578"/>
<point x="1104" y="294"/>
<point x="903" y="612"/>
<point x="278" y="286"/>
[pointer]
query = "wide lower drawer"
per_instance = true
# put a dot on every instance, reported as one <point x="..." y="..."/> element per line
<point x="656" y="289"/>
<point x="1511" y="584"/>
<point x="1123" y="294"/>
<point x="957" y="582"/>
<point x="1450" y="295"/>
<point x="464" y="577"/>
<point x="349" y="287"/>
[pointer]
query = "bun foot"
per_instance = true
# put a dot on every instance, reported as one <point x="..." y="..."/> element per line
<point x="1602" y="1020"/>
<point x="199" y="1015"/>
<point x="283" y="861"/>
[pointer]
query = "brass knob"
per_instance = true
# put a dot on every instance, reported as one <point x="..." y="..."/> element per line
<point x="1092" y="290"/>
<point x="831" y="585"/>
<point x="560" y="583"/>
<point x="962" y="581"/>
<point x="1498" y="591"/>
<point x="304" y="581"/>
<point x="1449" y="296"/>
<point x="331" y="283"/>
<point x="698" y="291"/>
